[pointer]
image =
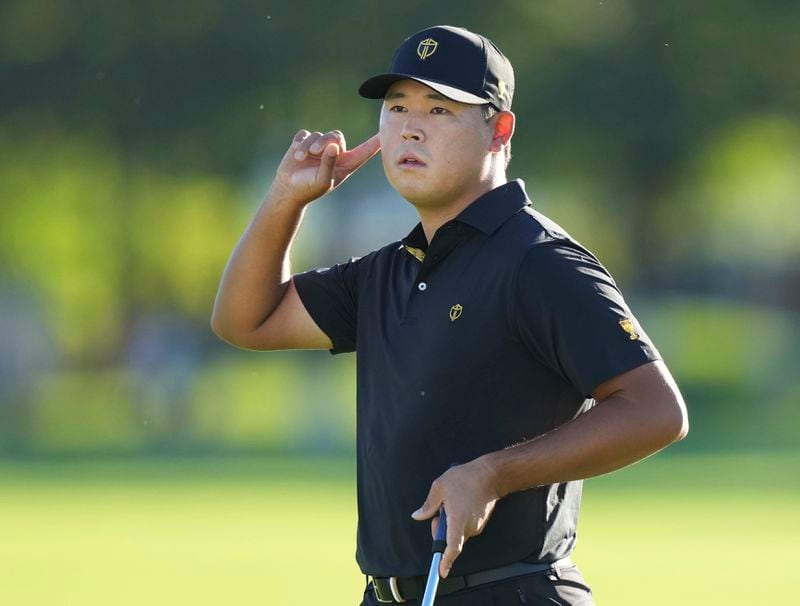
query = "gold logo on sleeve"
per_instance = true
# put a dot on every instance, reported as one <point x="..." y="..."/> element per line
<point x="455" y="312"/>
<point x="426" y="48"/>
<point x="627" y="326"/>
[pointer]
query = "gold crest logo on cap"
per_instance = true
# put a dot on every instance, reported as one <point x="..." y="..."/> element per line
<point x="455" y="312"/>
<point x="426" y="48"/>
<point x="627" y="326"/>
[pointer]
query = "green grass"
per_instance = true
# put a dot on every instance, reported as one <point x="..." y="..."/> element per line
<point x="699" y="529"/>
<point x="693" y="530"/>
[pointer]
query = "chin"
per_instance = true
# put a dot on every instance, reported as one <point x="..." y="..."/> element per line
<point x="413" y="188"/>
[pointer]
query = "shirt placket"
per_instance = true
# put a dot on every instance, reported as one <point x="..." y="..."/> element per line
<point x="446" y="239"/>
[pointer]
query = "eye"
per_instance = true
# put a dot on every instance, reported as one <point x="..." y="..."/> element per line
<point x="397" y="108"/>
<point x="439" y="110"/>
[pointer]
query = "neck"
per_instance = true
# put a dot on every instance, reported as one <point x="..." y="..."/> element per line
<point x="433" y="218"/>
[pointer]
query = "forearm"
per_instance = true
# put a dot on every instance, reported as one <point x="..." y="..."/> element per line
<point x="258" y="271"/>
<point x="615" y="433"/>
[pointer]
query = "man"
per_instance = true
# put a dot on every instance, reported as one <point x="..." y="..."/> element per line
<point x="498" y="364"/>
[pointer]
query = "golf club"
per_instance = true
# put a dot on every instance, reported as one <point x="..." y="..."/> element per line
<point x="439" y="544"/>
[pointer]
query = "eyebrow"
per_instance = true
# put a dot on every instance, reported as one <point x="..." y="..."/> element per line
<point x="399" y="95"/>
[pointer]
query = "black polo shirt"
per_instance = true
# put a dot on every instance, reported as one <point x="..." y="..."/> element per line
<point x="496" y="332"/>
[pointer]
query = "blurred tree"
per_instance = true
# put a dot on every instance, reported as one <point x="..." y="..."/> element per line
<point x="665" y="136"/>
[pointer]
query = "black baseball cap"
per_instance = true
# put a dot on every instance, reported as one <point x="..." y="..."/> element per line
<point x="459" y="64"/>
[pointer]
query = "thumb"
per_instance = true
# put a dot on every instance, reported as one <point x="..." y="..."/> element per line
<point x="429" y="508"/>
<point x="327" y="163"/>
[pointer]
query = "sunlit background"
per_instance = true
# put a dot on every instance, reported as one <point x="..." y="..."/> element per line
<point x="146" y="462"/>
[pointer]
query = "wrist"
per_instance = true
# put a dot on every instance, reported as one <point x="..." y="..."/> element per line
<point x="492" y="476"/>
<point x="282" y="196"/>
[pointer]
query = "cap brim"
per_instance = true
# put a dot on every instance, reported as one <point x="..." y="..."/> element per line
<point x="376" y="87"/>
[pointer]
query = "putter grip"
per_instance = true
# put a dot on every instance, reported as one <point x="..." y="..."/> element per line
<point x="440" y="541"/>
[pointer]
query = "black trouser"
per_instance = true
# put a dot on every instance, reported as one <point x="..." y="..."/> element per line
<point x="565" y="587"/>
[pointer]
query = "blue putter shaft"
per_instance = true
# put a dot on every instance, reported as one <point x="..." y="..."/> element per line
<point x="439" y="543"/>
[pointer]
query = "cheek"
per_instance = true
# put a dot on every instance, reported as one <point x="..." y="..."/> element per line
<point x="388" y="131"/>
<point x="462" y="153"/>
<point x="385" y="137"/>
<point x="387" y="150"/>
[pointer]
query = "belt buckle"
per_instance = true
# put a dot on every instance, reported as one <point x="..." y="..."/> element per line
<point x="396" y="597"/>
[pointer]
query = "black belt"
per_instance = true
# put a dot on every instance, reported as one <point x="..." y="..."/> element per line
<point x="390" y="590"/>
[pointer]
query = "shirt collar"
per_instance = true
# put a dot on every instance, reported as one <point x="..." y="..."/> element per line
<point x="416" y="241"/>
<point x="486" y="214"/>
<point x="493" y="208"/>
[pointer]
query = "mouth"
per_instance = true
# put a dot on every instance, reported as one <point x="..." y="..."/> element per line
<point x="408" y="160"/>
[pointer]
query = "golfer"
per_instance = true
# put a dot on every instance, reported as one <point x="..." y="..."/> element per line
<point x="498" y="362"/>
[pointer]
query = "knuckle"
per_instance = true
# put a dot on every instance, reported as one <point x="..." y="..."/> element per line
<point x="315" y="137"/>
<point x="298" y="139"/>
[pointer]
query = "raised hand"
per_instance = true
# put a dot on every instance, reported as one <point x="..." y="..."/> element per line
<point x="317" y="163"/>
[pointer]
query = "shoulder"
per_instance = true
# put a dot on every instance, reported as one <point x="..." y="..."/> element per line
<point x="544" y="247"/>
<point x="552" y="269"/>
<point x="360" y="269"/>
<point x="367" y="261"/>
<point x="530" y="227"/>
<point x="381" y="258"/>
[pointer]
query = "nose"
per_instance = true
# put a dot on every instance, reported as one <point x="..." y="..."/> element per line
<point x="411" y="131"/>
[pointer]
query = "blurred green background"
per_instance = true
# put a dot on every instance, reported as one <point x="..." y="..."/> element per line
<point x="144" y="461"/>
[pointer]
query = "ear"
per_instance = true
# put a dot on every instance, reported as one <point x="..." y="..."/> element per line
<point x="503" y="130"/>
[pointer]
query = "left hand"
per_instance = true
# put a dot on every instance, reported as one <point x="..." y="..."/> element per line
<point x="469" y="496"/>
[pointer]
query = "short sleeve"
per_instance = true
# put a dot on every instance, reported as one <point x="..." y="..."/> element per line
<point x="330" y="295"/>
<point x="573" y="318"/>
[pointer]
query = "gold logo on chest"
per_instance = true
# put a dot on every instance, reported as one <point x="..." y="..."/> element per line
<point x="455" y="312"/>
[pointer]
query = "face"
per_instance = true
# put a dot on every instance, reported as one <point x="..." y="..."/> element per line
<point x="434" y="150"/>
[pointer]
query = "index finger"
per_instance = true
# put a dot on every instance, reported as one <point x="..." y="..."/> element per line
<point x="356" y="157"/>
<point x="455" y="543"/>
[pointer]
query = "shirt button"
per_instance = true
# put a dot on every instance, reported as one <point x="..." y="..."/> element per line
<point x="422" y="286"/>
